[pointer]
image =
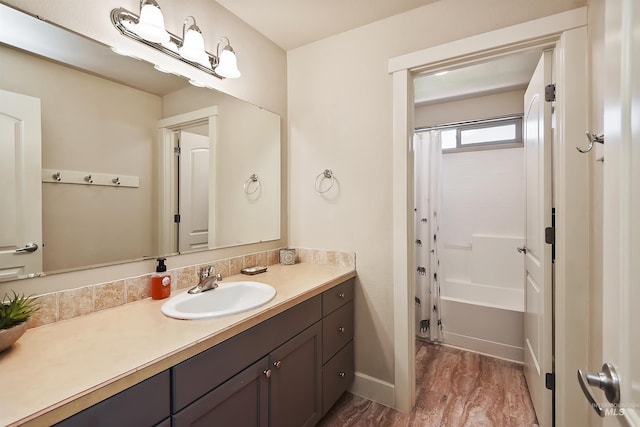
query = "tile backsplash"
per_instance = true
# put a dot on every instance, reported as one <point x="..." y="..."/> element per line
<point x="71" y="303"/>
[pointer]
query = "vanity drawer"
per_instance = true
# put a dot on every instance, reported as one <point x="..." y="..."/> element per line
<point x="337" y="296"/>
<point x="337" y="376"/>
<point x="337" y="330"/>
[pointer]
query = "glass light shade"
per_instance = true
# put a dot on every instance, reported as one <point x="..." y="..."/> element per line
<point x="228" y="65"/>
<point x="150" y="25"/>
<point x="192" y="48"/>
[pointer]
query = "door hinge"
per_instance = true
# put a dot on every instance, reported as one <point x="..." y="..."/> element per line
<point x="550" y="235"/>
<point x="176" y="151"/>
<point x="550" y="93"/>
<point x="550" y="381"/>
<point x="176" y="218"/>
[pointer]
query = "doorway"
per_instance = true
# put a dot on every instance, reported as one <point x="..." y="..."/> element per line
<point x="566" y="33"/>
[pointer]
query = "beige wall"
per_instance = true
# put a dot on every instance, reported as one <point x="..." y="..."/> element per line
<point x="340" y="104"/>
<point x="477" y="108"/>
<point x="263" y="83"/>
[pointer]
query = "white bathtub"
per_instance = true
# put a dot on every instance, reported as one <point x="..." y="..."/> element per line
<point x="484" y="319"/>
<point x="488" y="296"/>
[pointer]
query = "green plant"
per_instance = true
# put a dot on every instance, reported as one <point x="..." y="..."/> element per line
<point x="15" y="310"/>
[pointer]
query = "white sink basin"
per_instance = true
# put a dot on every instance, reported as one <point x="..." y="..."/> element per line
<point x="227" y="298"/>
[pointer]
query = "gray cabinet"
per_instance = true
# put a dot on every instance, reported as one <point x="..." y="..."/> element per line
<point x="241" y="401"/>
<point x="305" y="374"/>
<point x="296" y="383"/>
<point x="337" y="343"/>
<point x="284" y="372"/>
<point x="282" y="389"/>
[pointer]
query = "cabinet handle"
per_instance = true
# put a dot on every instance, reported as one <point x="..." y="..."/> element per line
<point x="341" y="329"/>
<point x="341" y="295"/>
<point x="341" y="374"/>
<point x="277" y="364"/>
<point x="267" y="373"/>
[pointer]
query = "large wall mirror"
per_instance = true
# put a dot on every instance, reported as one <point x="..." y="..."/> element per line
<point x="135" y="163"/>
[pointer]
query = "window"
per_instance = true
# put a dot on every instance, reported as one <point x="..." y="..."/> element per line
<point x="504" y="132"/>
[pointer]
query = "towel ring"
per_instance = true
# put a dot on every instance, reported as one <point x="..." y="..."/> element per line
<point x="247" y="184"/>
<point x="325" y="174"/>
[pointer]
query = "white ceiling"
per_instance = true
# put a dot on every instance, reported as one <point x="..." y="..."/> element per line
<point x="293" y="23"/>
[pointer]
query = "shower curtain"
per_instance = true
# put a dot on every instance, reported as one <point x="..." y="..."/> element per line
<point x="427" y="190"/>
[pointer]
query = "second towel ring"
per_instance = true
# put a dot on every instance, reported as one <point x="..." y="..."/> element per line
<point x="253" y="179"/>
<point x="325" y="174"/>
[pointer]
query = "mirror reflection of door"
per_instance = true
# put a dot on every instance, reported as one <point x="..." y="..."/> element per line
<point x="193" y="188"/>
<point x="20" y="179"/>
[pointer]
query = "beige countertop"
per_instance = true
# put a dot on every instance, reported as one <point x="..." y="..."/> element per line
<point x="56" y="370"/>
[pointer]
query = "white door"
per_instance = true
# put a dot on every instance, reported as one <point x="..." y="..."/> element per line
<point x="20" y="186"/>
<point x="619" y="402"/>
<point x="194" y="192"/>
<point x="538" y="291"/>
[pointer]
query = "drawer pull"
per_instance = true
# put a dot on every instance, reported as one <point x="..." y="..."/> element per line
<point x="341" y="374"/>
<point x="267" y="373"/>
<point x="341" y="295"/>
<point x="277" y="364"/>
<point x="341" y="329"/>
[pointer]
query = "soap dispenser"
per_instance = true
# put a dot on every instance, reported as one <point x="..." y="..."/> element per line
<point x="160" y="281"/>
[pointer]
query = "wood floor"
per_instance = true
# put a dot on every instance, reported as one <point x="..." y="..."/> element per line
<point x="455" y="388"/>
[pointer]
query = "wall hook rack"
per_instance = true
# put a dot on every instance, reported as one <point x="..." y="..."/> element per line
<point x="593" y="138"/>
<point x="58" y="176"/>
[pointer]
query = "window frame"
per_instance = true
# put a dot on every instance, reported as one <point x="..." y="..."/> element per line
<point x="482" y="124"/>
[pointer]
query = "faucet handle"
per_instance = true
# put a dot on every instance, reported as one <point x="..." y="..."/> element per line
<point x="206" y="271"/>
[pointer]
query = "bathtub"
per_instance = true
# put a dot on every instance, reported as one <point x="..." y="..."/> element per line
<point x="484" y="319"/>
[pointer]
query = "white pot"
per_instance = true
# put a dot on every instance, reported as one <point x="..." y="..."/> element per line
<point x="11" y="335"/>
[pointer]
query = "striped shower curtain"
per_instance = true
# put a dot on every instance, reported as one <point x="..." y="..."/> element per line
<point x="427" y="190"/>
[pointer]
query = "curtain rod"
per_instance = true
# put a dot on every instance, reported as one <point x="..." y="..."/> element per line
<point x="470" y="122"/>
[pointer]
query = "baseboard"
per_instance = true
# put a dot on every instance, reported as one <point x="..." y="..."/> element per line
<point x="373" y="389"/>
<point x="489" y="348"/>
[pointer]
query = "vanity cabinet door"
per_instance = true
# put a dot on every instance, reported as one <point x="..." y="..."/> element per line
<point x="241" y="401"/>
<point x="296" y="380"/>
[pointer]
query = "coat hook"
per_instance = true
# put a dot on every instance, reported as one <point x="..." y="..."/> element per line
<point x="89" y="179"/>
<point x="116" y="180"/>
<point x="593" y="138"/>
<point x="57" y="176"/>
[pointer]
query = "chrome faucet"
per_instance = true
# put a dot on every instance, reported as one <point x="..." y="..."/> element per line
<point x="207" y="281"/>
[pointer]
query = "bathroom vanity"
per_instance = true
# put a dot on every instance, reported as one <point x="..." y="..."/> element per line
<point x="283" y="364"/>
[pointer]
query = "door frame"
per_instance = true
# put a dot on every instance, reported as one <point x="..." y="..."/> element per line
<point x="167" y="198"/>
<point x="566" y="33"/>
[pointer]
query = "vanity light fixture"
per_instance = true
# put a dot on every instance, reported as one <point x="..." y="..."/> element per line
<point x="227" y="63"/>
<point x="150" y="25"/>
<point x="192" y="48"/>
<point x="148" y="28"/>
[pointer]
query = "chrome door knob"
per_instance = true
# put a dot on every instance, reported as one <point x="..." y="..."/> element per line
<point x="607" y="381"/>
